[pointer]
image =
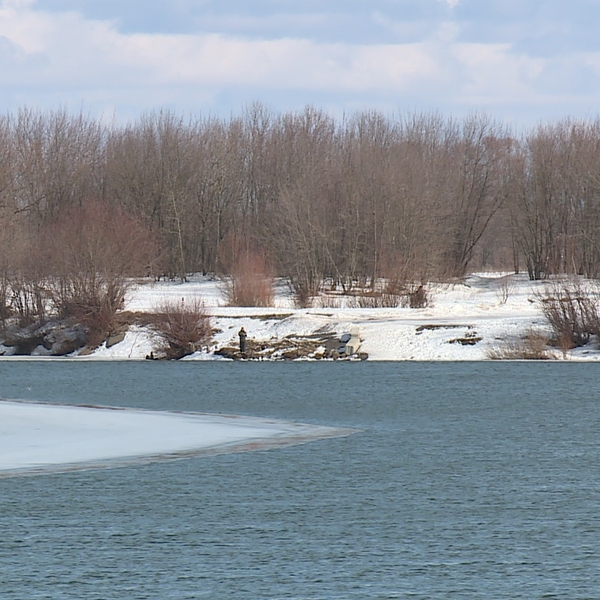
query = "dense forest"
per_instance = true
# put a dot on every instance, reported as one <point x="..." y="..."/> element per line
<point x="301" y="194"/>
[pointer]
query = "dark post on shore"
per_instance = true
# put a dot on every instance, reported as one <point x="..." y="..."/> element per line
<point x="243" y="335"/>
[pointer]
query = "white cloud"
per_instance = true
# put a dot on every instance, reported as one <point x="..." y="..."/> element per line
<point x="15" y="4"/>
<point x="448" y="31"/>
<point x="63" y="57"/>
<point x="71" y="50"/>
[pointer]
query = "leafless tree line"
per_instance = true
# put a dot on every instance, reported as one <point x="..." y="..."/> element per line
<point x="349" y="200"/>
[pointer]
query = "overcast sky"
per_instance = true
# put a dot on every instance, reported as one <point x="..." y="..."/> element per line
<point x="522" y="61"/>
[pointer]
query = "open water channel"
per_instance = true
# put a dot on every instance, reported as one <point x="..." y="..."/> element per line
<point x="466" y="480"/>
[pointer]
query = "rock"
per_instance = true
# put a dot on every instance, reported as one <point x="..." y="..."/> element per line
<point x="226" y="352"/>
<point x="291" y="348"/>
<point x="64" y="339"/>
<point x="115" y="339"/>
<point x="54" y="338"/>
<point x="465" y="341"/>
<point x="23" y="339"/>
<point x="6" y="350"/>
<point x="41" y="351"/>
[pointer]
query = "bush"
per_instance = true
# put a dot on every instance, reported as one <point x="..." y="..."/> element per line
<point x="572" y="313"/>
<point x="28" y="298"/>
<point x="5" y="288"/>
<point x="250" y="282"/>
<point x="23" y="281"/>
<point x="416" y="297"/>
<point x="505" y="288"/>
<point x="90" y="299"/>
<point x="5" y="310"/>
<point x="184" y="327"/>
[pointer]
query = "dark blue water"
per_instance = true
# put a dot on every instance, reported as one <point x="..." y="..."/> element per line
<point x="467" y="481"/>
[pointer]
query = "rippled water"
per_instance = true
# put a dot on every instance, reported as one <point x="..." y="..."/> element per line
<point x="466" y="481"/>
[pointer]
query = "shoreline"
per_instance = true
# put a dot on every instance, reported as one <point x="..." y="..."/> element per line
<point x="463" y="321"/>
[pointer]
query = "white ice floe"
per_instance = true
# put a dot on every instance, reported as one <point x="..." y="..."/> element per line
<point x="39" y="437"/>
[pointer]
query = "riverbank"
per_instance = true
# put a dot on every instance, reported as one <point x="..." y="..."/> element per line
<point x="468" y="320"/>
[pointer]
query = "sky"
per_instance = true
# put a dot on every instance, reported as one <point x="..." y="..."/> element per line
<point x="519" y="61"/>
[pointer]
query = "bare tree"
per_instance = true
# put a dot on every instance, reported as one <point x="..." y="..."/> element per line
<point x="472" y="154"/>
<point x="350" y="201"/>
<point x="93" y="251"/>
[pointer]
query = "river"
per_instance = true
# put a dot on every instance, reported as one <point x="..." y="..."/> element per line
<point x="466" y="480"/>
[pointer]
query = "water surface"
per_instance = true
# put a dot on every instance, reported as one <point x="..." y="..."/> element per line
<point x="468" y="480"/>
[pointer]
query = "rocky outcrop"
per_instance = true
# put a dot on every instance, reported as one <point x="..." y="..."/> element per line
<point x="52" y="338"/>
<point x="292" y="347"/>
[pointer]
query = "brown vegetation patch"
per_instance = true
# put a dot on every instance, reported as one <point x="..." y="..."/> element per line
<point x="532" y="346"/>
<point x="183" y="327"/>
<point x="572" y="313"/>
<point x="249" y="281"/>
<point x="417" y="297"/>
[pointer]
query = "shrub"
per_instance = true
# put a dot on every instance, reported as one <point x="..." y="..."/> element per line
<point x="28" y="298"/>
<point x="90" y="299"/>
<point x="572" y="313"/>
<point x="250" y="282"/>
<point x="505" y="288"/>
<point x="5" y="268"/>
<point x="5" y="310"/>
<point x="394" y="271"/>
<point x="416" y="297"/>
<point x="184" y="327"/>
<point x="23" y="282"/>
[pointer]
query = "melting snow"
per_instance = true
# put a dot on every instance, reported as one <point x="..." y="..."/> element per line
<point x="494" y="307"/>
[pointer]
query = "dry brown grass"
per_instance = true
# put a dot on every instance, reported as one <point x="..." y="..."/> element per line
<point x="532" y="346"/>
<point x="328" y="301"/>
<point x="377" y="300"/>
<point x="381" y="297"/>
<point x="371" y="300"/>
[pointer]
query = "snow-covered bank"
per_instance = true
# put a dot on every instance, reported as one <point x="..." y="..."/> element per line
<point x="491" y="308"/>
<point x="463" y="321"/>
<point x="37" y="437"/>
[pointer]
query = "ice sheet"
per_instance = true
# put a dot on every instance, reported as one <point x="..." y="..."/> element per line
<point x="38" y="437"/>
